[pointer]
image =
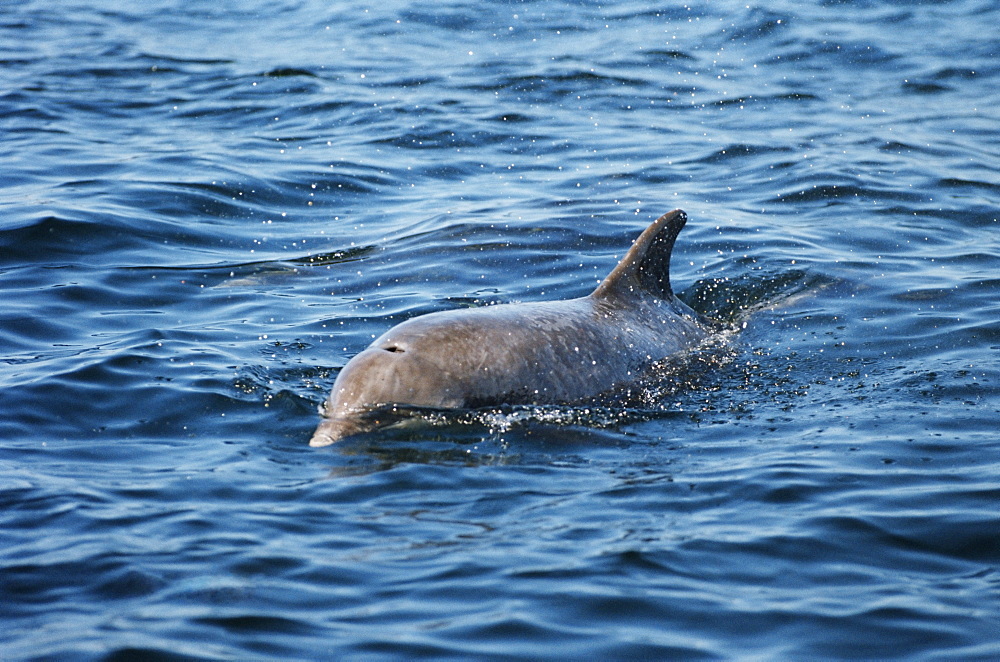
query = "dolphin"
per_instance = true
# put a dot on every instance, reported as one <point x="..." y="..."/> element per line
<point x="551" y="352"/>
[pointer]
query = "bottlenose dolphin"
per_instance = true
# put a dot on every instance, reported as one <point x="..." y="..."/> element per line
<point x="553" y="352"/>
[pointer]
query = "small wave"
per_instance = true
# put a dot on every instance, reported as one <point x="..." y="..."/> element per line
<point x="258" y="624"/>
<point x="764" y="101"/>
<point x="957" y="183"/>
<point x="924" y="87"/>
<point x="433" y="138"/>
<point x="832" y="193"/>
<point x="667" y="54"/>
<point x="741" y="150"/>
<point x="733" y="299"/>
<point x="288" y="72"/>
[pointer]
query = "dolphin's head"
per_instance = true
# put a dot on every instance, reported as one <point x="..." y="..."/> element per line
<point x="381" y="375"/>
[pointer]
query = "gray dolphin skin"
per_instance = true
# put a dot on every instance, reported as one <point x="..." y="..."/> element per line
<point x="553" y="352"/>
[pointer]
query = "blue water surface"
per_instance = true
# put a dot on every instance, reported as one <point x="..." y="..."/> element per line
<point x="206" y="208"/>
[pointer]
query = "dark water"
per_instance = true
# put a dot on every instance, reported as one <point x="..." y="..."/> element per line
<point x="207" y="208"/>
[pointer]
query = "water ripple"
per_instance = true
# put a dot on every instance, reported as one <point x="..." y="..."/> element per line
<point x="201" y="223"/>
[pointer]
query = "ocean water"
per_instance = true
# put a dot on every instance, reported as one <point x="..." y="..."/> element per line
<point x="206" y="208"/>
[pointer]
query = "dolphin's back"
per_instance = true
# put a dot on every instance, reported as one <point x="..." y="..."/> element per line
<point x="532" y="353"/>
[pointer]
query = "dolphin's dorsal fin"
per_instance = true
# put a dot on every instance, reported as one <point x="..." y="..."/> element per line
<point x="646" y="266"/>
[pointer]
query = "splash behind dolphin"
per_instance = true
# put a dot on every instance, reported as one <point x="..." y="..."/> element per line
<point x="553" y="352"/>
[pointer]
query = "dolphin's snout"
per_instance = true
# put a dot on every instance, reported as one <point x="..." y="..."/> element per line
<point x="332" y="430"/>
<point x="320" y="438"/>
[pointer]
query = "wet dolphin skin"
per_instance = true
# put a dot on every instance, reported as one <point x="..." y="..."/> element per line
<point x="552" y="352"/>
